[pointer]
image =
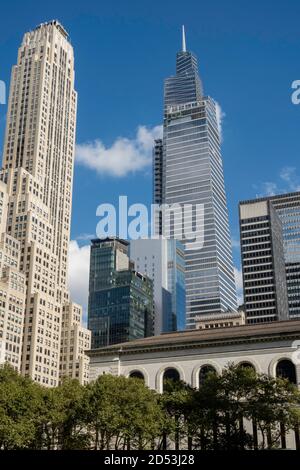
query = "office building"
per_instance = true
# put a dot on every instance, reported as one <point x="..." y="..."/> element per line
<point x="287" y="207"/>
<point x="188" y="172"/>
<point x="162" y="260"/>
<point x="120" y="298"/>
<point x="264" y="277"/>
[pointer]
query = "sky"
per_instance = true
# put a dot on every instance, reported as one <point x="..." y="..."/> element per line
<point x="248" y="55"/>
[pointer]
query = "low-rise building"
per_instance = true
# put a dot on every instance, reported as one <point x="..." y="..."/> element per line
<point x="221" y="320"/>
<point x="272" y="348"/>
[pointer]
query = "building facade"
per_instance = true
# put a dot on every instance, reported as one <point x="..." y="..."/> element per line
<point x="12" y="291"/>
<point x="188" y="172"/>
<point x="264" y="276"/>
<point x="162" y="260"/>
<point x="38" y="160"/>
<point x="261" y="346"/>
<point x="272" y="349"/>
<point x="287" y="207"/>
<point x="75" y="340"/>
<point x="222" y="320"/>
<point x="120" y="298"/>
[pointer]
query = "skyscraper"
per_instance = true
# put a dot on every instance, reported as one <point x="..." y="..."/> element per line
<point x="287" y="207"/>
<point x="38" y="162"/>
<point x="264" y="277"/>
<point x="188" y="171"/>
<point x="162" y="260"/>
<point x="120" y="298"/>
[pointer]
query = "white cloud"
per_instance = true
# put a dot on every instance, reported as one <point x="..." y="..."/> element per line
<point x="269" y="188"/>
<point x="289" y="181"/>
<point x="289" y="176"/>
<point x="124" y="156"/>
<point x="79" y="264"/>
<point x="85" y="236"/>
<point x="235" y="243"/>
<point x="220" y="116"/>
<point x="238" y="274"/>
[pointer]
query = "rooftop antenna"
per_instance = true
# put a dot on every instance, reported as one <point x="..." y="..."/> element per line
<point x="183" y="40"/>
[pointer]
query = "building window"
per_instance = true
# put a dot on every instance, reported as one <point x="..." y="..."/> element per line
<point x="286" y="370"/>
<point x="204" y="372"/>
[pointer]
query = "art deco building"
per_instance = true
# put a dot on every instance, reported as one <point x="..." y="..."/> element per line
<point x="38" y="160"/>
<point x="188" y="171"/>
<point x="264" y="276"/>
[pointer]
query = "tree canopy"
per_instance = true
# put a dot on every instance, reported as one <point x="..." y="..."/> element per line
<point x="236" y="410"/>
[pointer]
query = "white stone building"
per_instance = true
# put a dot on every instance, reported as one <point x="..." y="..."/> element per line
<point x="262" y="346"/>
<point x="220" y="320"/>
<point x="272" y="348"/>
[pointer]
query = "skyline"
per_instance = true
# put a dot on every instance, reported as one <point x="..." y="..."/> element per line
<point x="276" y="141"/>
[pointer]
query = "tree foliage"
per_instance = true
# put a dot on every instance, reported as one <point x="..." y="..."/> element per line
<point x="122" y="413"/>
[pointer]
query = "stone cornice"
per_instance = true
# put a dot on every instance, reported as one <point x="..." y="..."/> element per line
<point x="191" y="345"/>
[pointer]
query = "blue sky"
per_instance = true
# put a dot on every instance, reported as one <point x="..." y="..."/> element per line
<point x="248" y="54"/>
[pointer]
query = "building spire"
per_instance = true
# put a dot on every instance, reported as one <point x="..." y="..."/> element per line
<point x="183" y="40"/>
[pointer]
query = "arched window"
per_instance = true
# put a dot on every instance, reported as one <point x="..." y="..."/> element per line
<point x="136" y="374"/>
<point x="170" y="375"/>
<point x="286" y="370"/>
<point x="203" y="373"/>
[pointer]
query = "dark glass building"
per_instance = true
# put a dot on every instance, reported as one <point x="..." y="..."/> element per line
<point x="120" y="298"/>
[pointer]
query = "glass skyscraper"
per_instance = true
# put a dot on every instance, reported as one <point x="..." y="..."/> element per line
<point x="162" y="260"/>
<point x="120" y="299"/>
<point x="188" y="170"/>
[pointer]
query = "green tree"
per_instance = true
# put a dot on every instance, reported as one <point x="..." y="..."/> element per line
<point x="62" y="418"/>
<point x="20" y="401"/>
<point x="273" y="402"/>
<point x="122" y="413"/>
<point x="176" y="403"/>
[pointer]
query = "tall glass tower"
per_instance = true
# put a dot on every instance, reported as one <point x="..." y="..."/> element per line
<point x="191" y="172"/>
